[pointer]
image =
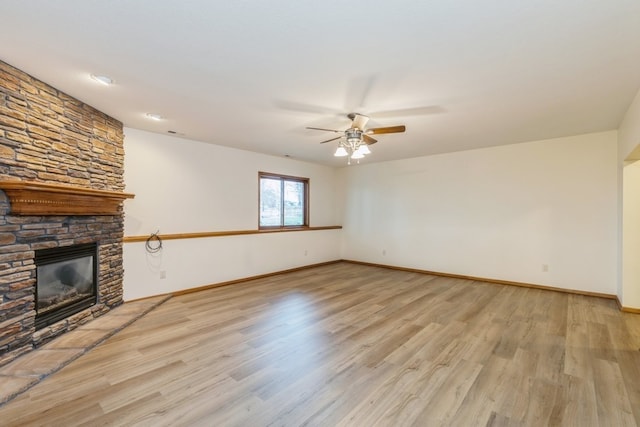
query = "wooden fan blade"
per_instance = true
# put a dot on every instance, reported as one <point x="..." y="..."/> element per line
<point x="389" y="129"/>
<point x="359" y="121"/>
<point x="328" y="130"/>
<point x="329" y="140"/>
<point x="369" y="140"/>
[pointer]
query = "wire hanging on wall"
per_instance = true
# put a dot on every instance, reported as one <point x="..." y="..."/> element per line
<point x="154" y="243"/>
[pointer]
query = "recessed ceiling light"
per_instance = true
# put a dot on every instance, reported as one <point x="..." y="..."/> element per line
<point x="153" y="116"/>
<point x="105" y="80"/>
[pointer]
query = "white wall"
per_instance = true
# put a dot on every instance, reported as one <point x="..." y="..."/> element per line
<point x="631" y="237"/>
<point x="497" y="213"/>
<point x="183" y="186"/>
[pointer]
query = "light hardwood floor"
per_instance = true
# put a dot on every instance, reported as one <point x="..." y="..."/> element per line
<point x="353" y="345"/>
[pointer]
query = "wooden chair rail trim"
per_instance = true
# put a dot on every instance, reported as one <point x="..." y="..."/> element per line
<point x="36" y="198"/>
<point x="133" y="239"/>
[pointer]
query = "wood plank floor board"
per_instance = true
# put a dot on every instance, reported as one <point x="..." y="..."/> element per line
<point x="610" y="388"/>
<point x="578" y="404"/>
<point x="443" y="403"/>
<point x="354" y="345"/>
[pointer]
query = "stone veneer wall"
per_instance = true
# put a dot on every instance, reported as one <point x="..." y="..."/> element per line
<point x="50" y="137"/>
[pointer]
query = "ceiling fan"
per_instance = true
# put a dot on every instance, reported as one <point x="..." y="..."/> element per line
<point x="354" y="141"/>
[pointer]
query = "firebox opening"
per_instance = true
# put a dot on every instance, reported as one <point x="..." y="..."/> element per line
<point x="66" y="282"/>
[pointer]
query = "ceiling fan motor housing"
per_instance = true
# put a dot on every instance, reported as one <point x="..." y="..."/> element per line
<point x="353" y="135"/>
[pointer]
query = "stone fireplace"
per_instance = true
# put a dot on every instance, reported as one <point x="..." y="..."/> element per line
<point x="61" y="182"/>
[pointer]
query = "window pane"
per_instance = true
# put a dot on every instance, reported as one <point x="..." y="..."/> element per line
<point x="270" y="202"/>
<point x="293" y="203"/>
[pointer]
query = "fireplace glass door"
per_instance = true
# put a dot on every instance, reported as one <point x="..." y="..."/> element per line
<point x="66" y="282"/>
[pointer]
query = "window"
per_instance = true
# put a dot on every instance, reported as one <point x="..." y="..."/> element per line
<point x="284" y="201"/>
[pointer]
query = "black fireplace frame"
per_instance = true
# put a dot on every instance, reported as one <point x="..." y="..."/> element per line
<point x="59" y="254"/>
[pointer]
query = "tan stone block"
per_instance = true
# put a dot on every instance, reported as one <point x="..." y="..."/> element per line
<point x="9" y="227"/>
<point x="100" y="124"/>
<point x="14" y="277"/>
<point x="26" y="87"/>
<point x="29" y="157"/>
<point x="10" y="330"/>
<point x="10" y="122"/>
<point x="18" y="137"/>
<point x="23" y="284"/>
<point x="22" y="173"/>
<point x="30" y="233"/>
<point x="75" y="135"/>
<point x="7" y="238"/>
<point x="41" y="112"/>
<point x="13" y="308"/>
<point x="59" y="109"/>
<point x="15" y="101"/>
<point x="79" y="165"/>
<point x="18" y="268"/>
<point x="39" y="131"/>
<point x="72" y="107"/>
<point x="84" y="146"/>
<point x="44" y="245"/>
<point x="46" y="88"/>
<point x="7" y="153"/>
<point x="9" y="82"/>
<point x="33" y="167"/>
<point x="50" y="97"/>
<point x="84" y="126"/>
<point x="54" y="165"/>
<point x="79" y="182"/>
<point x="18" y="113"/>
<point x="51" y="177"/>
<point x="79" y="174"/>
<point x="42" y="225"/>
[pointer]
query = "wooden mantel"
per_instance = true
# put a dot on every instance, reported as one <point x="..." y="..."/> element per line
<point x="35" y="198"/>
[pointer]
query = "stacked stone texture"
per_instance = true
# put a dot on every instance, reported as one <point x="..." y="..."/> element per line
<point x="50" y="137"/>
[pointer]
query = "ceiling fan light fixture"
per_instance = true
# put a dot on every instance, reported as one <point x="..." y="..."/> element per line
<point x="341" y="152"/>
<point x="364" y="149"/>
<point x="355" y="141"/>
<point x="357" y="155"/>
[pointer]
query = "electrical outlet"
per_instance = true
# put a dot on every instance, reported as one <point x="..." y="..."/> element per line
<point x="384" y="252"/>
<point x="163" y="274"/>
<point x="306" y="252"/>
<point x="545" y="267"/>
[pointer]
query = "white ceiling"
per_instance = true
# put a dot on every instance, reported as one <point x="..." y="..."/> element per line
<point x="253" y="74"/>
